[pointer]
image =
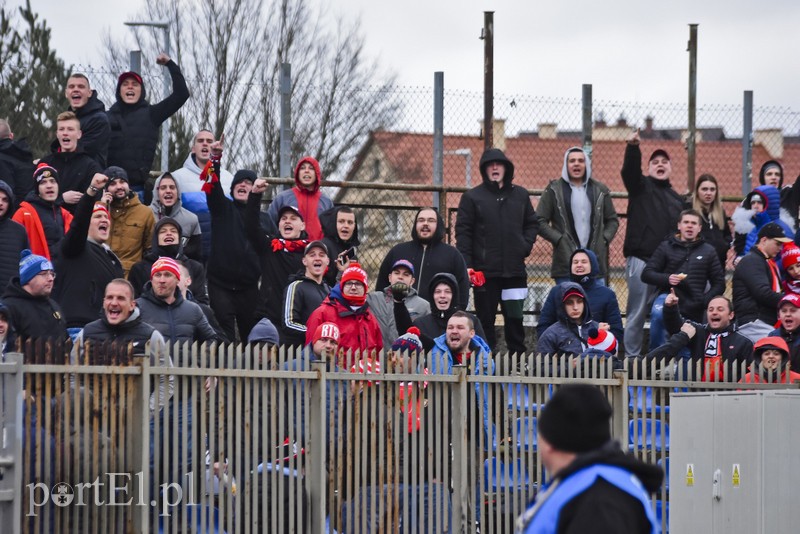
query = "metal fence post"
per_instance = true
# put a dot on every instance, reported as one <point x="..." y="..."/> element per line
<point x="286" y="120"/>
<point x="438" y="133"/>
<point x="691" y="145"/>
<point x="11" y="442"/>
<point x="461" y="517"/>
<point x="488" y="79"/>
<point x="135" y="60"/>
<point x="139" y="444"/>
<point x="586" y="105"/>
<point x="747" y="142"/>
<point x="317" y="448"/>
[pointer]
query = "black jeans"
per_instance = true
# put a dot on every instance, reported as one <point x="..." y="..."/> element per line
<point x="488" y="296"/>
<point x="234" y="308"/>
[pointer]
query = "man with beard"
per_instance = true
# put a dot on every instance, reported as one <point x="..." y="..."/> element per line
<point x="132" y="221"/>
<point x="280" y="257"/>
<point x="593" y="486"/>
<point x="86" y="264"/>
<point x="715" y="344"/>
<point x="429" y="255"/>
<point x="304" y="294"/>
<point x="168" y="241"/>
<point x="31" y="313"/>
<point x="653" y="210"/>
<point x="400" y="291"/>
<point x="167" y="203"/>
<point x="42" y="216"/>
<point x="91" y="113"/>
<point x="75" y="167"/>
<point x="341" y="237"/>
<point x="13" y="238"/>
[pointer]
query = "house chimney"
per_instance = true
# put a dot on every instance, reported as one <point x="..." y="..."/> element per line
<point x="622" y="122"/>
<point x="547" y="130"/>
<point x="648" y="124"/>
<point x="498" y="132"/>
<point x="600" y="121"/>
<point x="772" y="141"/>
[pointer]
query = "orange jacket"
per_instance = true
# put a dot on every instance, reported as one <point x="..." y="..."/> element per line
<point x="28" y="217"/>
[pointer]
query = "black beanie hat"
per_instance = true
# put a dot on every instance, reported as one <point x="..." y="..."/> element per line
<point x="242" y="175"/>
<point x="576" y="419"/>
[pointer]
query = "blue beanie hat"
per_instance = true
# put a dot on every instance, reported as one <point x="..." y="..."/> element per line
<point x="30" y="265"/>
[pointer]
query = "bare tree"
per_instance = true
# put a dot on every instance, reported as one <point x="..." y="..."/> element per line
<point x="231" y="54"/>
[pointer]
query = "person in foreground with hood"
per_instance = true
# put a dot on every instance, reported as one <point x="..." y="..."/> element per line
<point x="594" y="485"/>
<point x="602" y="300"/>
<point x="429" y="254"/>
<point x="305" y="196"/>
<point x="136" y="124"/>
<point x="340" y="227"/>
<point x="13" y="238"/>
<point x="496" y="228"/>
<point x="575" y="211"/>
<point x="167" y="203"/>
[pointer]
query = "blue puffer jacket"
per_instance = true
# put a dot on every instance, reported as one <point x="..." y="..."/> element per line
<point x="748" y="223"/>
<point x="602" y="300"/>
<point x="441" y="362"/>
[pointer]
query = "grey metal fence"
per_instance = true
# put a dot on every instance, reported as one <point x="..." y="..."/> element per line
<point x="257" y="439"/>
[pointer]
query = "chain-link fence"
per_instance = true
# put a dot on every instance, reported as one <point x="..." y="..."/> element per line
<point x="534" y="132"/>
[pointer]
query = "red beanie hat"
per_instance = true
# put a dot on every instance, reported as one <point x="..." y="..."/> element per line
<point x="790" y="255"/>
<point x="327" y="331"/>
<point x="355" y="272"/>
<point x="164" y="263"/>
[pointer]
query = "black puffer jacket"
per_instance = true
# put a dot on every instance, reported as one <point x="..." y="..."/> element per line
<point x="75" y="172"/>
<point x="135" y="127"/>
<point x="696" y="259"/>
<point x="17" y="157"/>
<point x="84" y="269"/>
<point x="13" y="240"/>
<point x="33" y="317"/>
<point x="327" y="219"/>
<point x="496" y="226"/>
<point x="653" y="207"/>
<point x="233" y="264"/>
<point x="753" y="295"/>
<point x="95" y="130"/>
<point x="428" y="258"/>
<point x="181" y="321"/>
<point x="139" y="274"/>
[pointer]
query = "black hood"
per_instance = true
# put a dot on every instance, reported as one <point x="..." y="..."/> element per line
<point x="586" y="280"/>
<point x="120" y="104"/>
<point x="450" y="280"/>
<point x="157" y="250"/>
<point x="18" y="149"/>
<point x="5" y="188"/>
<point x="651" y="476"/>
<point x="495" y="154"/>
<point x="327" y="220"/>
<point x="93" y="105"/>
<point x="438" y="235"/>
<point x="561" y="313"/>
<point x="770" y="163"/>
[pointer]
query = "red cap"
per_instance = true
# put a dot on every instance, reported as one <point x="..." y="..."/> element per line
<point x="791" y="298"/>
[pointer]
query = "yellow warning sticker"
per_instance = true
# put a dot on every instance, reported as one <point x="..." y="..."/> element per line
<point x="690" y="475"/>
<point x="737" y="477"/>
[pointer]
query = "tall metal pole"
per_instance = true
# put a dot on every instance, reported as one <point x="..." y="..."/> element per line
<point x="488" y="79"/>
<point x="286" y="120"/>
<point x="691" y="145"/>
<point x="586" y="105"/>
<point x="438" y="134"/>
<point x="747" y="142"/>
<point x="165" y="124"/>
<point x="136" y="60"/>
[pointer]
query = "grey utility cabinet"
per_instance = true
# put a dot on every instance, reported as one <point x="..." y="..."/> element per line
<point x="734" y="462"/>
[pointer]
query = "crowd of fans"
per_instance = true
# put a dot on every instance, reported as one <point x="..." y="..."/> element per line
<point x="203" y="262"/>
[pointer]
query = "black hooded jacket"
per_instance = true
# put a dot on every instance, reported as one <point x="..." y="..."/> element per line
<point x="139" y="274"/>
<point x="84" y="269"/>
<point x="604" y="507"/>
<point x="428" y="259"/>
<point x="135" y="127"/>
<point x="95" y="130"/>
<point x="75" y="171"/>
<point x="33" y="317"/>
<point x="496" y="226"/>
<point x="17" y="157"/>
<point x="327" y="219"/>
<point x="13" y="240"/>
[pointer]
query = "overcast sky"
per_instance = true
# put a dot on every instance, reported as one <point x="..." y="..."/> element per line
<point x="629" y="50"/>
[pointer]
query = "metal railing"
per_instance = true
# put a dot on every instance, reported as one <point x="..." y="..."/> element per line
<point x="256" y="439"/>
